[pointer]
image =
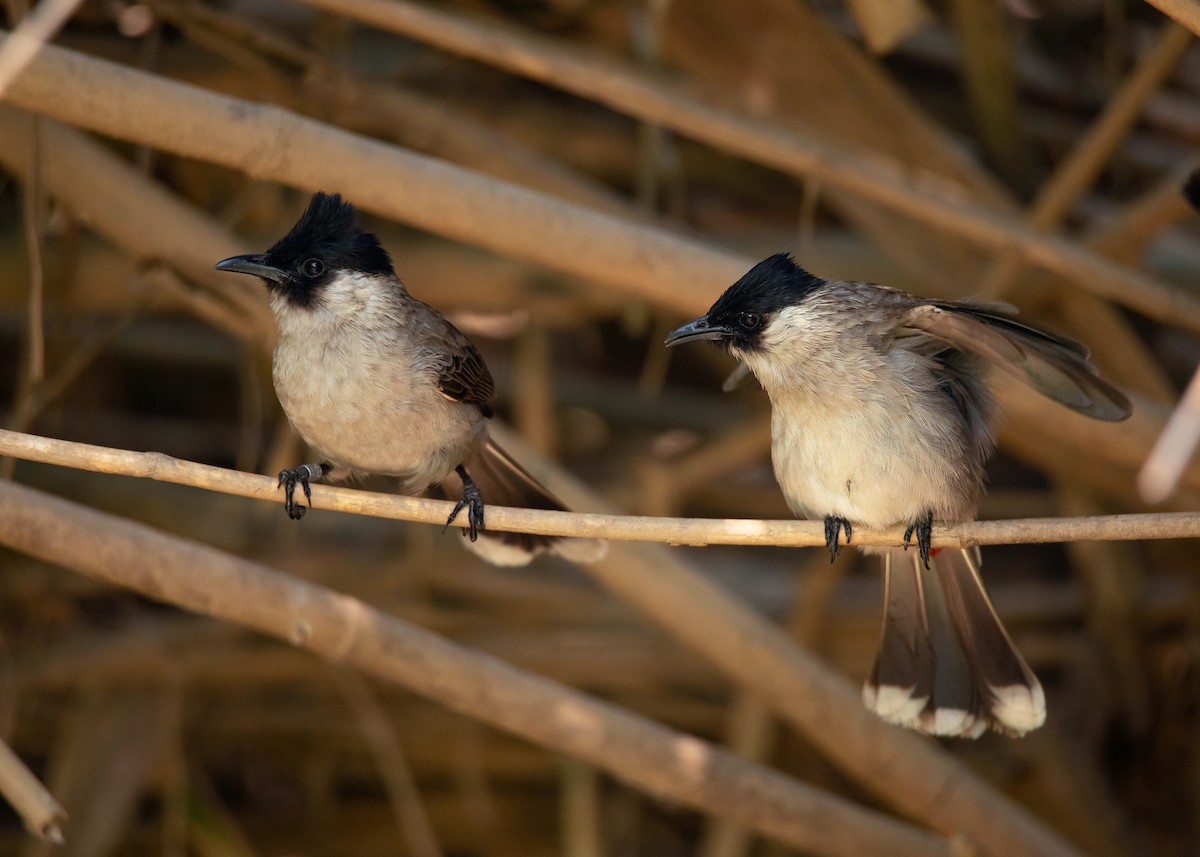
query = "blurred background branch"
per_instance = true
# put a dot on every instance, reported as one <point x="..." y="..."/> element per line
<point x="569" y="180"/>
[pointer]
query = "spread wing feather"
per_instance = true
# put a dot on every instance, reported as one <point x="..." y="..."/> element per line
<point x="1054" y="366"/>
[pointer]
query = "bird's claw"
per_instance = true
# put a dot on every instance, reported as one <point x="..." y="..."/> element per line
<point x="472" y="501"/>
<point x="833" y="526"/>
<point x="924" y="531"/>
<point x="288" y="477"/>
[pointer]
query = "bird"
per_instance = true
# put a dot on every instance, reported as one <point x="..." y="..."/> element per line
<point x="880" y="417"/>
<point x="379" y="382"/>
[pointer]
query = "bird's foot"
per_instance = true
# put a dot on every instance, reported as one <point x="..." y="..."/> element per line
<point x="833" y="526"/>
<point x="472" y="501"/>
<point x="304" y="474"/>
<point x="924" y="530"/>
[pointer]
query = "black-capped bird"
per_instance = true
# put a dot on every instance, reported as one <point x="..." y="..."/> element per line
<point x="378" y="382"/>
<point x="880" y="418"/>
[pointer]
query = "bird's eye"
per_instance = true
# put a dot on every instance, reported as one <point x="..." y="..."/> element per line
<point x="750" y="320"/>
<point x="314" y="268"/>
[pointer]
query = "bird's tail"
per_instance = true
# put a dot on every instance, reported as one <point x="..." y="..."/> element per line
<point x="946" y="666"/>
<point x="504" y="482"/>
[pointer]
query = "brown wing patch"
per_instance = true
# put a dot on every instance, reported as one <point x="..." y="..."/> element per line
<point x="465" y="378"/>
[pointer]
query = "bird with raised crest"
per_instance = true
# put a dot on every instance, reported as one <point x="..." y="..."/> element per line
<point x="379" y="382"/>
<point x="880" y="418"/>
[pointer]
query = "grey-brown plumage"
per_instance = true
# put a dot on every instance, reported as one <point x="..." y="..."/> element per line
<point x="880" y="417"/>
<point x="379" y="382"/>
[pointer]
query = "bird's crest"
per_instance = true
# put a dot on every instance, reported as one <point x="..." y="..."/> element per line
<point x="328" y="230"/>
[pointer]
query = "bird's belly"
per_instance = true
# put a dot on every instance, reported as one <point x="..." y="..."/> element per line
<point x="374" y="421"/>
<point x="866" y="464"/>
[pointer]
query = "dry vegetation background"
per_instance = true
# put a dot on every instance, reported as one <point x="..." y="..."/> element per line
<point x="955" y="148"/>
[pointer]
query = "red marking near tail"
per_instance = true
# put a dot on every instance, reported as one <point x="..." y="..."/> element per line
<point x="934" y="552"/>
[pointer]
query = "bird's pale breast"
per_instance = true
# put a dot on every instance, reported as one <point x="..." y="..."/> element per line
<point x="369" y="406"/>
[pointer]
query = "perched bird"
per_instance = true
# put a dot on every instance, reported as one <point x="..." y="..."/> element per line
<point x="379" y="382"/>
<point x="880" y="417"/>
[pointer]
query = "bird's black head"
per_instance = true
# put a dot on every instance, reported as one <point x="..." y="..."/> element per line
<point x="325" y="241"/>
<point x="740" y="316"/>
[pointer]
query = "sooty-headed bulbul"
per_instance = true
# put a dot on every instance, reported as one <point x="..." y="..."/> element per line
<point x="378" y="382"/>
<point x="881" y="418"/>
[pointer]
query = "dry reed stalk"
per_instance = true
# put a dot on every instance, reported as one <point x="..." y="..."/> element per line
<point x="1186" y="12"/>
<point x="821" y="704"/>
<point x="886" y="23"/>
<point x="989" y="77"/>
<point x="670" y="531"/>
<point x="1166" y="463"/>
<point x="1124" y="356"/>
<point x="645" y="754"/>
<point x="31" y="34"/>
<point x="131" y="210"/>
<point x="870" y="175"/>
<point x="1075" y="173"/>
<point x="751" y="729"/>
<point x="276" y="144"/>
<point x="39" y="810"/>
<point x="1111" y="577"/>
<point x="268" y="142"/>
<point x="394" y="770"/>
<point x="390" y="112"/>
<point x="580" y="821"/>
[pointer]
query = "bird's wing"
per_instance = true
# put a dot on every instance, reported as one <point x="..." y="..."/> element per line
<point x="1054" y="366"/>
<point x="464" y="377"/>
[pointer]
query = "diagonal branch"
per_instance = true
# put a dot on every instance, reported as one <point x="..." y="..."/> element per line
<point x="1186" y="12"/>
<point x="272" y="143"/>
<point x="650" y="756"/>
<point x="42" y="814"/>
<point x="752" y="653"/>
<point x="870" y="175"/>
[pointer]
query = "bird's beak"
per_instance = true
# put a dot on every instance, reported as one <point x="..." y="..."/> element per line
<point x="254" y="264"/>
<point x="701" y="328"/>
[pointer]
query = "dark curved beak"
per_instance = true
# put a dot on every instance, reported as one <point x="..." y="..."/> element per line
<point x="254" y="264"/>
<point x="701" y="328"/>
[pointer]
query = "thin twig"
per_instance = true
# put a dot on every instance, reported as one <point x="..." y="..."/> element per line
<point x="650" y="756"/>
<point x="672" y="531"/>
